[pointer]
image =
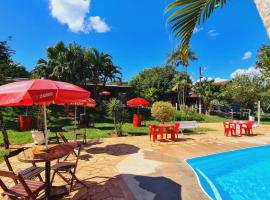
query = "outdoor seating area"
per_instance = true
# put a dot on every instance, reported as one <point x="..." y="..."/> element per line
<point x="239" y="128"/>
<point x="161" y="131"/>
<point x="98" y="102"/>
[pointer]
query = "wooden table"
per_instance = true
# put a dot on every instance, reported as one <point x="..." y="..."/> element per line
<point x="165" y="129"/>
<point x="38" y="153"/>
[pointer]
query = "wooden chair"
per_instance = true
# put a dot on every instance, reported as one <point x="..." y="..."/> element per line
<point x="62" y="168"/>
<point x="63" y="137"/>
<point x="81" y="135"/>
<point x="23" y="189"/>
<point x="5" y="138"/>
<point x="65" y="140"/>
<point x="30" y="172"/>
<point x="54" y="139"/>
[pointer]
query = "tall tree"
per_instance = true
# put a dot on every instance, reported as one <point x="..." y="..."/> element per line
<point x="77" y="65"/>
<point x="180" y="57"/>
<point x="180" y="83"/>
<point x="155" y="81"/>
<point x="246" y="90"/>
<point x="209" y="92"/>
<point x="9" y="68"/>
<point x="263" y="62"/>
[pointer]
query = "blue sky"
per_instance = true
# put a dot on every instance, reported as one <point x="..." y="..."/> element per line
<point x="133" y="32"/>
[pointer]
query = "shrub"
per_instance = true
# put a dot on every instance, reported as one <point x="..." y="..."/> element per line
<point x="116" y="111"/>
<point x="188" y="115"/>
<point x="162" y="111"/>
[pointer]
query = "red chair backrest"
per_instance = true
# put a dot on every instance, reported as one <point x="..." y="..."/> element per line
<point x="249" y="124"/>
<point x="226" y="125"/>
<point x="176" y="127"/>
<point x="151" y="128"/>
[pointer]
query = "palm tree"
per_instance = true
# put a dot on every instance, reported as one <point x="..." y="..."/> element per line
<point x="112" y="73"/>
<point x="181" y="57"/>
<point x="99" y="61"/>
<point x="179" y="84"/>
<point x="45" y="68"/>
<point x="186" y="14"/>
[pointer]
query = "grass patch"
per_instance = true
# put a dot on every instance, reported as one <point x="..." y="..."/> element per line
<point x="198" y="130"/>
<point x="2" y="153"/>
<point x="215" y="119"/>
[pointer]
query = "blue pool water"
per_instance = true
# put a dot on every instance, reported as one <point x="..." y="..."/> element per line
<point x="236" y="175"/>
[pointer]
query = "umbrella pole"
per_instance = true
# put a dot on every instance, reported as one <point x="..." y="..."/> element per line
<point x="45" y="125"/>
<point x="75" y="120"/>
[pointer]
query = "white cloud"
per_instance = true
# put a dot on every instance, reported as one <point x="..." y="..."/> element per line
<point x="197" y="29"/>
<point x="70" y="12"/>
<point x="247" y="55"/>
<point x="218" y="79"/>
<point x="98" y="24"/>
<point x="250" y="71"/>
<point x="74" y="13"/>
<point x="213" y="33"/>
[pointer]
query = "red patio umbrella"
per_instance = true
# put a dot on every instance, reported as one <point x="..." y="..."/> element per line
<point x="90" y="103"/>
<point x="138" y="102"/>
<point x="104" y="93"/>
<point x="41" y="92"/>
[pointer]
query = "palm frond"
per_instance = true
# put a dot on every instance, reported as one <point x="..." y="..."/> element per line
<point x="186" y="14"/>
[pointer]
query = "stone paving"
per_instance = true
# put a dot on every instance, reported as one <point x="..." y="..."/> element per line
<point x="128" y="168"/>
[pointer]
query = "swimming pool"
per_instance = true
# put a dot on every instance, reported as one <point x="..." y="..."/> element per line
<point x="235" y="175"/>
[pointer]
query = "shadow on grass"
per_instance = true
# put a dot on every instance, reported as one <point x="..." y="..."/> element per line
<point x="105" y="128"/>
<point x="115" y="149"/>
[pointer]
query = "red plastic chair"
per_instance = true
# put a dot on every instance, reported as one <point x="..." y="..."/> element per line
<point x="248" y="128"/>
<point x="233" y="127"/>
<point x="151" y="130"/>
<point x="228" y="129"/>
<point x="176" y="129"/>
<point x="154" y="132"/>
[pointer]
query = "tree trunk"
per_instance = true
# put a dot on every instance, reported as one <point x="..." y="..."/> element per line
<point x="178" y="98"/>
<point x="263" y="7"/>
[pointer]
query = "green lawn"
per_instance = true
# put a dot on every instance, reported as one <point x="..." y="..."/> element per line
<point x="214" y="119"/>
<point x="101" y="129"/>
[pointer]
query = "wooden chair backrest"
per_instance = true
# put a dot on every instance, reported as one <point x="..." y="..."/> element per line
<point x="63" y="137"/>
<point x="77" y="151"/>
<point x="12" y="175"/>
<point x="5" y="137"/>
<point x="10" y="155"/>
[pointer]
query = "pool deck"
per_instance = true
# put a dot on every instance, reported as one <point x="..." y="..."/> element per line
<point x="128" y="168"/>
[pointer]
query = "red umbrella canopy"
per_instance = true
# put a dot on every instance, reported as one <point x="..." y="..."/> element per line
<point x="138" y="102"/>
<point x="104" y="93"/>
<point x="90" y="103"/>
<point x="40" y="91"/>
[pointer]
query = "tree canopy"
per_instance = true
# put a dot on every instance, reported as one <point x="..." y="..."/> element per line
<point x="78" y="65"/>
<point x="154" y="83"/>
<point x="8" y="67"/>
